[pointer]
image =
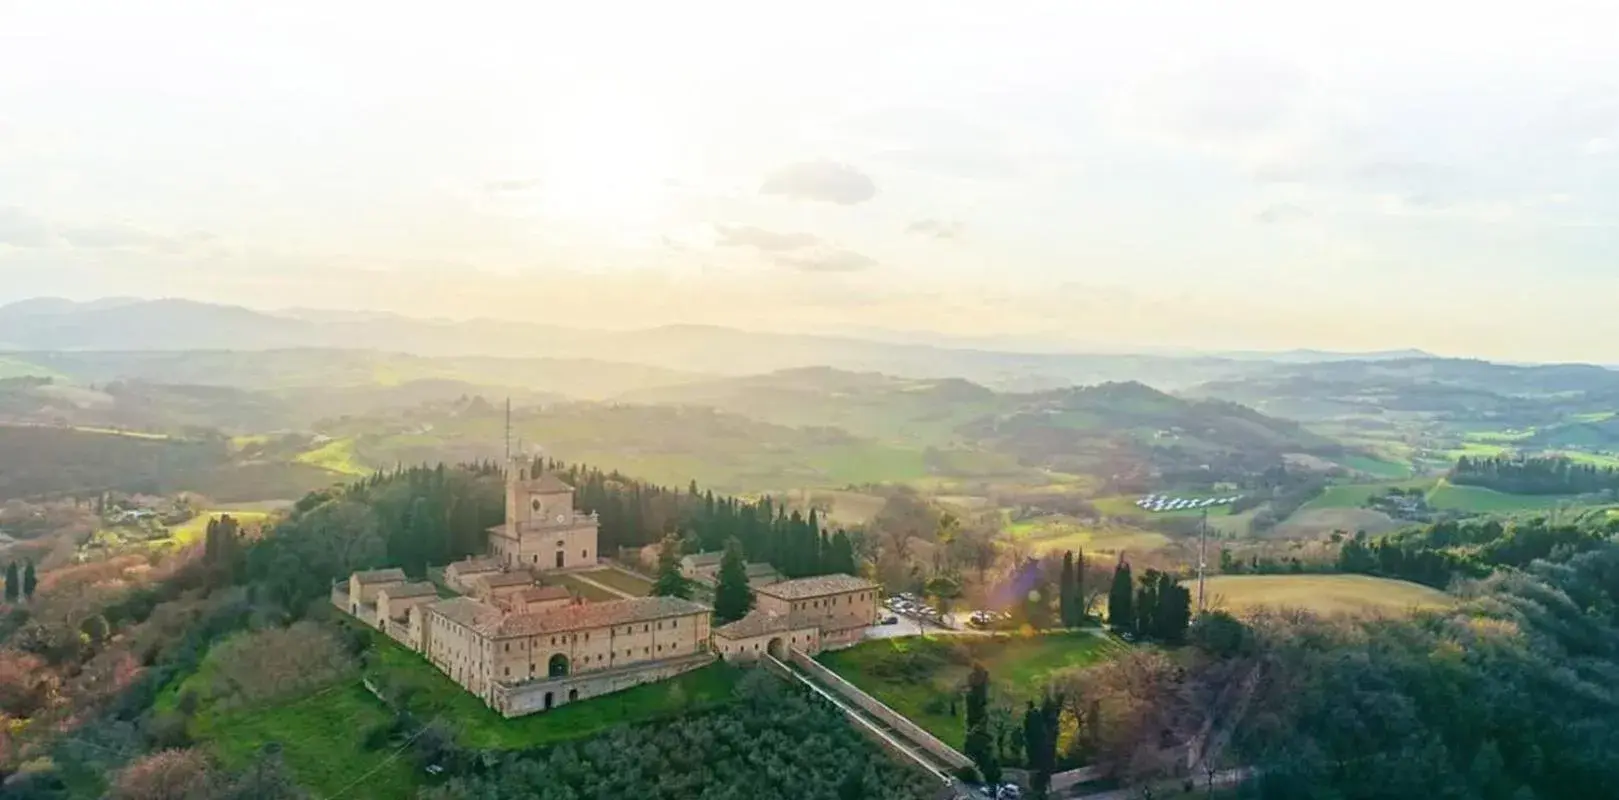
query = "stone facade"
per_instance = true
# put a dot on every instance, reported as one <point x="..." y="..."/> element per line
<point x="841" y="607"/>
<point x="461" y="575"/>
<point x="764" y="632"/>
<point x="519" y="663"/>
<point x="542" y="532"/>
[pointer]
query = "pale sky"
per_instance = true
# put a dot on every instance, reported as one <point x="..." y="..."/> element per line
<point x="1106" y="175"/>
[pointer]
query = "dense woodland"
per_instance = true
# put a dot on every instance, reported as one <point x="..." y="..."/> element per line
<point x="1438" y="553"/>
<point x="1535" y="475"/>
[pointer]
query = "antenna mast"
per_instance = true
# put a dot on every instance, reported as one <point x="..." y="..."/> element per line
<point x="508" y="463"/>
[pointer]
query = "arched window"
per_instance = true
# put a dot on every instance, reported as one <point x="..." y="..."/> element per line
<point x="558" y="666"/>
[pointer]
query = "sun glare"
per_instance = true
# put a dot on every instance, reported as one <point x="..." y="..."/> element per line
<point x="605" y="160"/>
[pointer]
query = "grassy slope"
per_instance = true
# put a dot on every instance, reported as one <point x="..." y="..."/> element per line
<point x="322" y="733"/>
<point x="192" y="530"/>
<point x="1322" y="593"/>
<point x="1017" y="667"/>
<point x="337" y="456"/>
<point x="1446" y="495"/>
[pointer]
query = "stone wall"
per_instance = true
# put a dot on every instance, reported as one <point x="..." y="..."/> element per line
<point x="516" y="700"/>
<point x="872" y="706"/>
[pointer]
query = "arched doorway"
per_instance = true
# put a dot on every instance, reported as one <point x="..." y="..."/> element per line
<point x="777" y="648"/>
<point x="573" y="694"/>
<point x="548" y="701"/>
<point x="558" y="666"/>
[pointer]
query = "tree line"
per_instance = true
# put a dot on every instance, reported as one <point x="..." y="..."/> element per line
<point x="1439" y="553"/>
<point x="1534" y="475"/>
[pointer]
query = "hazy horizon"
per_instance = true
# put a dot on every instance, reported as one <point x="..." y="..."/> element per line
<point x="1253" y="177"/>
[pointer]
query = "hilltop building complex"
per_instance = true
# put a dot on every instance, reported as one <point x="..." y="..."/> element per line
<point x="522" y="647"/>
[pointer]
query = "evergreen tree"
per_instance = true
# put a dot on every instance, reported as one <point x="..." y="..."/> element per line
<point x="980" y="744"/>
<point x="670" y="582"/>
<point x="842" y="558"/>
<point x="13" y="583"/>
<point x="732" y="598"/>
<point x="1034" y="736"/>
<point x="1069" y="602"/>
<point x="1079" y="587"/>
<point x="28" y="581"/>
<point x="1121" y="599"/>
<point x="1146" y="606"/>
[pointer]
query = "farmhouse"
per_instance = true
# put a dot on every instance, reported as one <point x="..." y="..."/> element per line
<point x="523" y="648"/>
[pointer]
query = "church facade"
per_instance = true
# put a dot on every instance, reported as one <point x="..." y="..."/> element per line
<point x="542" y="531"/>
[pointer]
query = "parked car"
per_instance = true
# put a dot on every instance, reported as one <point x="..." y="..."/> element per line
<point x="890" y="620"/>
<point x="1008" y="791"/>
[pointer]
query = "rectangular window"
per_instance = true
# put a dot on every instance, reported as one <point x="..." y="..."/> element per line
<point x="674" y="622"/>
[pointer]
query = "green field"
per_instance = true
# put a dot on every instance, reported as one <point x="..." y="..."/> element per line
<point x="1376" y="467"/>
<point x="1355" y="495"/>
<point x="1448" y="496"/>
<point x="1057" y="533"/>
<point x="192" y="531"/>
<point x="918" y="676"/>
<point x="337" y="456"/>
<point x="621" y="581"/>
<point x="1323" y="594"/>
<point x="435" y="696"/>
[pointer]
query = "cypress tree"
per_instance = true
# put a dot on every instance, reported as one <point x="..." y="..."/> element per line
<point x="670" y="582"/>
<point x="732" y="598"/>
<point x="1034" y="736"/>
<point x="1069" y="602"/>
<point x="1121" y="599"/>
<point x="980" y="745"/>
<point x="1079" y="587"/>
<point x="13" y="583"/>
<point x="28" y="581"/>
<point x="842" y="554"/>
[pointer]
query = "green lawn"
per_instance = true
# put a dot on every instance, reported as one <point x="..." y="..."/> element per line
<point x="477" y="726"/>
<point x="1323" y="594"/>
<point x="594" y="594"/>
<point x="918" y="676"/>
<point x="621" y="581"/>
<point x="321" y="738"/>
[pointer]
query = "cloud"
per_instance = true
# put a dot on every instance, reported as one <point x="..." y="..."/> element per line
<point x="825" y="181"/>
<point x="512" y="185"/>
<point x="1282" y="213"/>
<point x="1601" y="146"/>
<point x="18" y="228"/>
<point x="826" y="259"/>
<point x="116" y="235"/>
<point x="937" y="228"/>
<point x="761" y="239"/>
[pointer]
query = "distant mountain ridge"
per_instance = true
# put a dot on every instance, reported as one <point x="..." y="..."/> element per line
<point x="125" y="324"/>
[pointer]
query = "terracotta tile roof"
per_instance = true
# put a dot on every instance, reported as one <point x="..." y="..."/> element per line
<point x="500" y="579"/>
<point x="538" y="593"/>
<point x="701" y="560"/>
<point x="756" y="623"/>
<point x="466" y="611"/>
<point x="593" y="615"/>
<point x="380" y="575"/>
<point x="472" y="565"/>
<point x="819" y="586"/>
<point x="420" y="589"/>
